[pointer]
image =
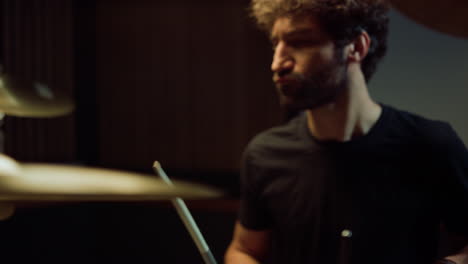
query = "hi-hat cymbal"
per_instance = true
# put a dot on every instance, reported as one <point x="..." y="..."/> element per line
<point x="31" y="99"/>
<point x="63" y="183"/>
<point x="448" y="16"/>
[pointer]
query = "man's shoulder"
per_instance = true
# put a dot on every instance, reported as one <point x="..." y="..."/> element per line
<point x="285" y="136"/>
<point x="430" y="131"/>
<point x="410" y="118"/>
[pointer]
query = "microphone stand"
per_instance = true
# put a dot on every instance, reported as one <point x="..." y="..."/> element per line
<point x="187" y="219"/>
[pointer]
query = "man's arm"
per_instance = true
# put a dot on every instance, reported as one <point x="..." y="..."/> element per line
<point x="453" y="156"/>
<point x="459" y="248"/>
<point x="247" y="246"/>
<point x="461" y="257"/>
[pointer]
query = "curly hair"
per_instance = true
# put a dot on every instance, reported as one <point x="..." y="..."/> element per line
<point x="344" y="20"/>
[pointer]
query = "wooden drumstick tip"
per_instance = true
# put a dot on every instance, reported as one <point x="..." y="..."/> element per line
<point x="156" y="165"/>
<point x="346" y="233"/>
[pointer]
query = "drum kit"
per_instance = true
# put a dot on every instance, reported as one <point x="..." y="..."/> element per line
<point x="48" y="183"/>
<point x="34" y="182"/>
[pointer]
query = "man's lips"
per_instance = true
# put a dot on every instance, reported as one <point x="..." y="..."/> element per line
<point x="284" y="80"/>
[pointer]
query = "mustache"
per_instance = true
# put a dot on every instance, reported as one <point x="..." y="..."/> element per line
<point x="295" y="77"/>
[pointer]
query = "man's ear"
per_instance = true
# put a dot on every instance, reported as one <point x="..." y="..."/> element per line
<point x="358" y="49"/>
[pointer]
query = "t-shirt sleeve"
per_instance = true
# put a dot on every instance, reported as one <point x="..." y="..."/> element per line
<point x="454" y="192"/>
<point x="253" y="213"/>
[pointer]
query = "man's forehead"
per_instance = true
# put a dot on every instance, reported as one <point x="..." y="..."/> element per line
<point x="299" y="24"/>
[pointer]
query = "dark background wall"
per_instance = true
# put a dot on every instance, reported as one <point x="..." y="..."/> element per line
<point x="170" y="80"/>
<point x="181" y="82"/>
<point x="178" y="81"/>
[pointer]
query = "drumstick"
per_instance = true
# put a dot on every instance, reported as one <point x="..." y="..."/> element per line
<point x="187" y="218"/>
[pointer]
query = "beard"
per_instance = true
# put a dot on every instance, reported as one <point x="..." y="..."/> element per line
<point x="309" y="91"/>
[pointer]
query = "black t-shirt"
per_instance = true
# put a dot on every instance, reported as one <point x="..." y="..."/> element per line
<point x="392" y="188"/>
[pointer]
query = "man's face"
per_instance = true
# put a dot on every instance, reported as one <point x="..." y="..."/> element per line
<point x="307" y="70"/>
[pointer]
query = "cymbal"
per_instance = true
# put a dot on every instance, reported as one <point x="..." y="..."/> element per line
<point x="448" y="16"/>
<point x="31" y="99"/>
<point x="38" y="182"/>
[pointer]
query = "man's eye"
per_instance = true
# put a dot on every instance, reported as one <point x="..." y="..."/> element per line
<point x="274" y="44"/>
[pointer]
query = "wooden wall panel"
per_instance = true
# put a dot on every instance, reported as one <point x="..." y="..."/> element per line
<point x="184" y="82"/>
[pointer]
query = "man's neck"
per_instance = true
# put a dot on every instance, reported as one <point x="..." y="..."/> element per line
<point x="351" y="115"/>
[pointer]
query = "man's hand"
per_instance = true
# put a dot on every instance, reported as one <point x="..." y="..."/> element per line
<point x="461" y="257"/>
<point x="247" y="246"/>
<point x="457" y="246"/>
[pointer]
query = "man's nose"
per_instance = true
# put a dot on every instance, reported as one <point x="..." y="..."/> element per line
<point x="282" y="60"/>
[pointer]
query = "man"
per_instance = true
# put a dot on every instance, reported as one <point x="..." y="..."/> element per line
<point x="347" y="180"/>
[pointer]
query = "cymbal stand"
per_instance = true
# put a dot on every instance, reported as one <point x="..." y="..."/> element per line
<point x="187" y="219"/>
